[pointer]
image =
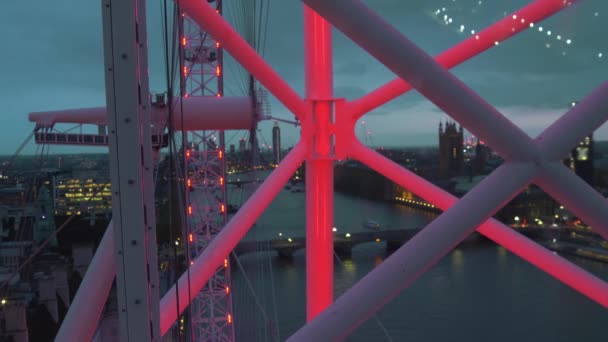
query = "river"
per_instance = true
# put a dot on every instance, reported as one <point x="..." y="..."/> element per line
<point x="479" y="292"/>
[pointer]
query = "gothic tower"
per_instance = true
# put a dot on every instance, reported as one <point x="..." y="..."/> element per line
<point x="451" y="159"/>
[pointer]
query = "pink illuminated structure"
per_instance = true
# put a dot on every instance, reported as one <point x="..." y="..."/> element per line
<point x="328" y="134"/>
<point x="202" y="77"/>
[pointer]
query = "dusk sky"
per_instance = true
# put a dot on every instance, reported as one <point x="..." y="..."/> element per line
<point x="53" y="59"/>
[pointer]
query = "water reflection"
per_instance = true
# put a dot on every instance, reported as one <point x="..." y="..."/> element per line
<point x="457" y="261"/>
<point x="502" y="253"/>
<point x="378" y="260"/>
<point x="350" y="267"/>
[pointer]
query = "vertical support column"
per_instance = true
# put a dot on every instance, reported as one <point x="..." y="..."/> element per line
<point x="319" y="167"/>
<point x="128" y="105"/>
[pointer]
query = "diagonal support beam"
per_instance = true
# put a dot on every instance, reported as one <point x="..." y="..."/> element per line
<point x="411" y="63"/>
<point x="83" y="315"/>
<point x="556" y="266"/>
<point x="588" y="115"/>
<point x="207" y="18"/>
<point x="503" y="29"/>
<point x="421" y="252"/>
<point x="221" y="246"/>
<point x="556" y="141"/>
<point x="578" y="196"/>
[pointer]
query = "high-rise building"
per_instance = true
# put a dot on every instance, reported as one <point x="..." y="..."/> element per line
<point x="232" y="149"/>
<point x="581" y="159"/>
<point x="276" y="143"/>
<point x="242" y="145"/>
<point x="451" y="159"/>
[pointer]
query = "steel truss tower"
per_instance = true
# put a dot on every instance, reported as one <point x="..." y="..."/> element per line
<point x="202" y="75"/>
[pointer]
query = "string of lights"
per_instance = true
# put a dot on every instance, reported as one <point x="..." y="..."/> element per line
<point x="552" y="37"/>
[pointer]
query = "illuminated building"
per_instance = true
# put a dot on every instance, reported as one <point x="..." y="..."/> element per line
<point x="451" y="159"/>
<point x="581" y="159"/>
<point x="276" y="143"/>
<point x="82" y="196"/>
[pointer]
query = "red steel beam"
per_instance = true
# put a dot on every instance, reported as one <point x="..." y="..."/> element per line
<point x="319" y="167"/>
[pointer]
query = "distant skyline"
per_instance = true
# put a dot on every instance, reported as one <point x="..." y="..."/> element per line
<point x="54" y="60"/>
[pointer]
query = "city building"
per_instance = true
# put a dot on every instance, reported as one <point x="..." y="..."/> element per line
<point x="232" y="149"/>
<point x="482" y="155"/>
<point x="242" y="145"/>
<point x="276" y="143"/>
<point x="581" y="160"/>
<point x="451" y="159"/>
<point x="44" y="223"/>
<point x="80" y="196"/>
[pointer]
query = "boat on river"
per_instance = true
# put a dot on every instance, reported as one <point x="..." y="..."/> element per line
<point x="371" y="224"/>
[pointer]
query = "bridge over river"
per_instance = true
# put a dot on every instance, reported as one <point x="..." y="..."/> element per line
<point x="343" y="242"/>
<point x="556" y="238"/>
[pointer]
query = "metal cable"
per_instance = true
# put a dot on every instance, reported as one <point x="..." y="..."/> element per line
<point x="170" y="67"/>
<point x="274" y="297"/>
<point x="375" y="316"/>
